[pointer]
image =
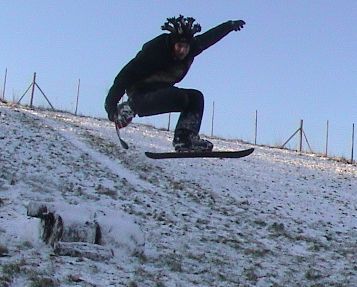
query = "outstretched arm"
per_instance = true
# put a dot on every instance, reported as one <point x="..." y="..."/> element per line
<point x="212" y="36"/>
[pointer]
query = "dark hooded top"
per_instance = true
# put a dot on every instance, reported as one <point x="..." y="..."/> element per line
<point x="155" y="67"/>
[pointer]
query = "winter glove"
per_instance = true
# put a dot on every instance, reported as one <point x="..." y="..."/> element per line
<point x="124" y="115"/>
<point x="237" y="25"/>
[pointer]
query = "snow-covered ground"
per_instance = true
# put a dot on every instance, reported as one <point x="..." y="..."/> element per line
<point x="275" y="218"/>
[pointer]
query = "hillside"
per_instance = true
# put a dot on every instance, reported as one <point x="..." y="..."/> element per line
<point x="275" y="218"/>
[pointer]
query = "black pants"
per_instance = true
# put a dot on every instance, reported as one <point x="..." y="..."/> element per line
<point x="189" y="102"/>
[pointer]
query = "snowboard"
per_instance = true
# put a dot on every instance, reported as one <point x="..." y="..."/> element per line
<point x="194" y="154"/>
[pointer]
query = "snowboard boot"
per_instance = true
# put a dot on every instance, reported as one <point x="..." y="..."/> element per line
<point x="188" y="142"/>
<point x="125" y="115"/>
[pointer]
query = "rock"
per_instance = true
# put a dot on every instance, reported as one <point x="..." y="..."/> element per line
<point x="67" y="224"/>
<point x="78" y="230"/>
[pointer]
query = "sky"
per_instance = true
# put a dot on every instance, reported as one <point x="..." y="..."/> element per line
<point x="293" y="60"/>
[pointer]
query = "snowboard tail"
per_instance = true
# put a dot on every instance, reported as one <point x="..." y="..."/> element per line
<point x="195" y="154"/>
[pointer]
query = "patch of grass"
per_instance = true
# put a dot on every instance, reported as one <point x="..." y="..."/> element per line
<point x="177" y="185"/>
<point x="260" y="222"/>
<point x="107" y="191"/>
<point x="43" y="282"/>
<point x="278" y="229"/>
<point x="256" y="252"/>
<point x="173" y="262"/>
<point x="313" y="274"/>
<point x="251" y="275"/>
<point x="11" y="269"/>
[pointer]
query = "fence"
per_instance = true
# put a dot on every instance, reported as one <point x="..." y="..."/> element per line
<point x="300" y="132"/>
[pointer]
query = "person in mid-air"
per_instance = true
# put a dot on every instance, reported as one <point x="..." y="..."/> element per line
<point x="149" y="80"/>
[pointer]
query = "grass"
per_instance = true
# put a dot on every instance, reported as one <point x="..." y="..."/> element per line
<point x="9" y="271"/>
<point x="43" y="282"/>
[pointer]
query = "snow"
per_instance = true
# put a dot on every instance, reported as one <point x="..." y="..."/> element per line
<point x="275" y="218"/>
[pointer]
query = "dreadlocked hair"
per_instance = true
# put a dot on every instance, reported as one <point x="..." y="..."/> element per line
<point x="181" y="28"/>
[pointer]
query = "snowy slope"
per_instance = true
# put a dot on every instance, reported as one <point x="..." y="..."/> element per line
<point x="275" y="218"/>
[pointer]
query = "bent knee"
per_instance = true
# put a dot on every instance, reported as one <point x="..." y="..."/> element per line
<point x="196" y="96"/>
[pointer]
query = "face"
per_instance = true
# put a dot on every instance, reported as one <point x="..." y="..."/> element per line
<point x="181" y="50"/>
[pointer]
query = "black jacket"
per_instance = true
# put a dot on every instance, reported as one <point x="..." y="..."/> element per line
<point x="154" y="67"/>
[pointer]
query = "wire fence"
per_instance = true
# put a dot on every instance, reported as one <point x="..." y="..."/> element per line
<point x="299" y="133"/>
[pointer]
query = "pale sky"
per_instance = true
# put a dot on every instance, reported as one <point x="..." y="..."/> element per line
<point x="293" y="60"/>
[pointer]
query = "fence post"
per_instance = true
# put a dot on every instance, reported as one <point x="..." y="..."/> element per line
<point x="79" y="84"/>
<point x="327" y="130"/>
<point x="33" y="89"/>
<point x="3" y="91"/>
<point x="301" y="134"/>
<point x="256" y="127"/>
<point x="353" y="141"/>
<point x="33" y="84"/>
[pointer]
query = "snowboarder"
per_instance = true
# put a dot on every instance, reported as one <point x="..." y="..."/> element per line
<point x="149" y="80"/>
